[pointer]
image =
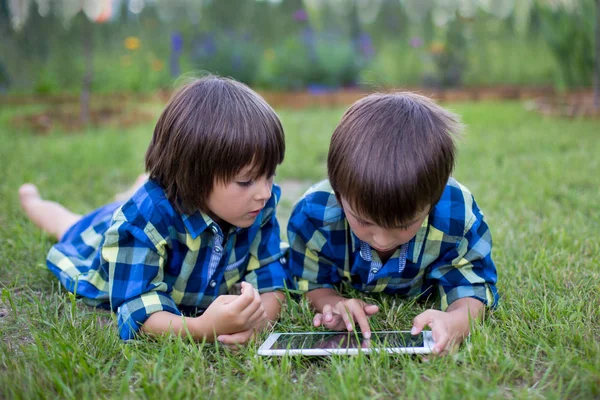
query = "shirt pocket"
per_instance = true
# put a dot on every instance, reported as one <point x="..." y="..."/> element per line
<point x="238" y="265"/>
<point x="234" y="272"/>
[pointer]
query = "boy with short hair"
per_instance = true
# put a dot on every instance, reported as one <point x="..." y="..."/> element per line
<point x="391" y="219"/>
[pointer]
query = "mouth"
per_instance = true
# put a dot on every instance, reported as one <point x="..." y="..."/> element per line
<point x="255" y="212"/>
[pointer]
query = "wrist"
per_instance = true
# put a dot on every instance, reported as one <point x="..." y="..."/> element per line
<point x="272" y="302"/>
<point x="201" y="327"/>
<point x="463" y="314"/>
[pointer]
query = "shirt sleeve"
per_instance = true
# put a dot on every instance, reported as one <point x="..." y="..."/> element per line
<point x="135" y="265"/>
<point x="467" y="269"/>
<point x="310" y="268"/>
<point x="267" y="269"/>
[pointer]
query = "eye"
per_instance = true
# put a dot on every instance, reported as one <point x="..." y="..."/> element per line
<point x="245" y="183"/>
<point x="363" y="223"/>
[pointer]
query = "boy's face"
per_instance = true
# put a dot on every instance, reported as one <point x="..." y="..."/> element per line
<point x="240" y="201"/>
<point x="382" y="239"/>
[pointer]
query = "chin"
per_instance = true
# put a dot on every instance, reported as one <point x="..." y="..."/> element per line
<point x="245" y="224"/>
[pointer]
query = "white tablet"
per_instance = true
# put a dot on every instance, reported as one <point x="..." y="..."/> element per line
<point x="347" y="343"/>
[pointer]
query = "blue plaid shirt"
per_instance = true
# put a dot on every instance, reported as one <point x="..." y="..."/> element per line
<point x="451" y="252"/>
<point x="154" y="259"/>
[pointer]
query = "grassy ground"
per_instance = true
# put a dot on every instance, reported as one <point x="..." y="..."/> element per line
<point x="537" y="179"/>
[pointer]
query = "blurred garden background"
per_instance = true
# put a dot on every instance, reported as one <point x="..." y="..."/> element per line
<point x="53" y="46"/>
<point x="82" y="83"/>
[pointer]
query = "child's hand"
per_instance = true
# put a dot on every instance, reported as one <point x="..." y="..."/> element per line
<point x="449" y="328"/>
<point x="271" y="302"/>
<point x="344" y="314"/>
<point x="237" y="338"/>
<point x="446" y="332"/>
<point x="232" y="314"/>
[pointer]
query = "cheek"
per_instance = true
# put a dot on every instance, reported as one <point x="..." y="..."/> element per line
<point x="406" y="236"/>
<point x="362" y="232"/>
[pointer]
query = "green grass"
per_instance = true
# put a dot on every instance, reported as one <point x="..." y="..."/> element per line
<point x="536" y="178"/>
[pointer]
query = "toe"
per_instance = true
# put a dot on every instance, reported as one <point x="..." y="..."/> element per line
<point x="28" y="192"/>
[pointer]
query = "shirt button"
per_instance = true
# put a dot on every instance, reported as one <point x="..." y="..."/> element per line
<point x="374" y="271"/>
<point x="282" y="260"/>
<point x="214" y="229"/>
<point x="213" y="283"/>
<point x="218" y="250"/>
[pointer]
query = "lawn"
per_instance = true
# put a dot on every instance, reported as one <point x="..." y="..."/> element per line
<point x="536" y="178"/>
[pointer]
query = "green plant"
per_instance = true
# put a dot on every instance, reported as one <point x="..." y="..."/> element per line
<point x="569" y="32"/>
<point x="312" y="60"/>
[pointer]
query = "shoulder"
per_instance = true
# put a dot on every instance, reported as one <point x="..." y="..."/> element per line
<point x="149" y="207"/>
<point x="454" y="212"/>
<point x="320" y="205"/>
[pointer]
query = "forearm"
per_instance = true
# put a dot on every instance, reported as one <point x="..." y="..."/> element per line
<point x="463" y="310"/>
<point x="318" y="298"/>
<point x="163" y="322"/>
<point x="272" y="304"/>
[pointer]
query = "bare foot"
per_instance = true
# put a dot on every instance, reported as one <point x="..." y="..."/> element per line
<point x="28" y="193"/>
<point x="51" y="217"/>
<point x="140" y="180"/>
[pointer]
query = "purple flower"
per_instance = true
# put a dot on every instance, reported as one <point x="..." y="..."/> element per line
<point x="365" y="45"/>
<point x="176" y="42"/>
<point x="416" y="42"/>
<point x="300" y="15"/>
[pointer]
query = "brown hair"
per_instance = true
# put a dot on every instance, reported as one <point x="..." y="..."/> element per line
<point x="391" y="156"/>
<point x="209" y="131"/>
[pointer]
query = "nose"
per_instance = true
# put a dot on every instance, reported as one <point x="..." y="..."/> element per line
<point x="382" y="240"/>
<point x="263" y="192"/>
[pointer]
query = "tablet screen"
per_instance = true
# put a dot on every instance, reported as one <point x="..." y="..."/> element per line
<point x="346" y="340"/>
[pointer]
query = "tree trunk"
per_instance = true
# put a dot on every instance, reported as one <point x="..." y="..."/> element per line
<point x="86" y="84"/>
<point x="597" y="62"/>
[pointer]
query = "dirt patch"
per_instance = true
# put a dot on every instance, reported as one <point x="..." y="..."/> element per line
<point x="570" y="105"/>
<point x="345" y="97"/>
<point x="114" y="109"/>
<point x="67" y="118"/>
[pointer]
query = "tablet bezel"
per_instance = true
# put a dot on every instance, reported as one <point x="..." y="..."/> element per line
<point x="266" y="350"/>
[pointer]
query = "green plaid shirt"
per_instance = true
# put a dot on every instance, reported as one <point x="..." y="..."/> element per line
<point x="450" y="254"/>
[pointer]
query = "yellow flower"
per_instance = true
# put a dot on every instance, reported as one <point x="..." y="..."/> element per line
<point x="437" y="47"/>
<point x="132" y="43"/>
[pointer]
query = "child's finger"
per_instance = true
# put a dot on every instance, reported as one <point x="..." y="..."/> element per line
<point x="259" y="315"/>
<point x="244" y="299"/>
<point x="441" y="340"/>
<point x="336" y="323"/>
<point x="236" y="338"/>
<point x="347" y="317"/>
<point x="252" y="308"/>
<point x="421" y="321"/>
<point x="363" y="322"/>
<point x="371" y="309"/>
<point x="246" y="286"/>
<point x="318" y="320"/>
<point x="327" y="313"/>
